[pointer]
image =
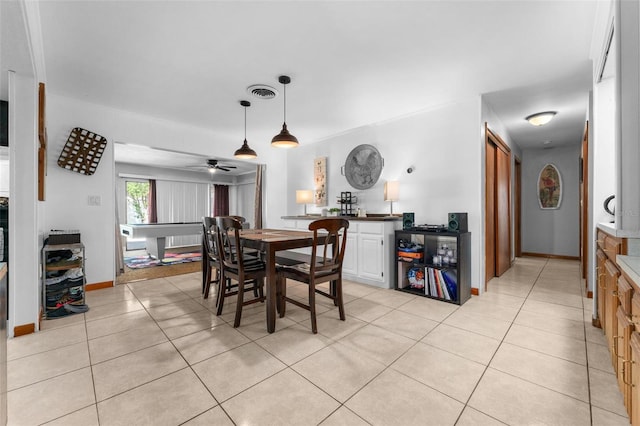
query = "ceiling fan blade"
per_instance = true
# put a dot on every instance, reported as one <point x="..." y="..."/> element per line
<point x="223" y="168"/>
<point x="230" y="167"/>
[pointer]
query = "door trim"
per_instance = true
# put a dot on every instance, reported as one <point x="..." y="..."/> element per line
<point x="517" y="207"/>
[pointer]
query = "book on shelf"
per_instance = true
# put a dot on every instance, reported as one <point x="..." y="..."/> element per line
<point x="441" y="283"/>
<point x="451" y="280"/>
<point x="410" y="254"/>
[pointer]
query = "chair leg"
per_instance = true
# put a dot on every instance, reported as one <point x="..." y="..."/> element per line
<point x="260" y="283"/>
<point x="338" y="299"/>
<point x="236" y="322"/>
<point x="333" y="292"/>
<point x="312" y="306"/>
<point x="255" y="289"/>
<point x="222" y="289"/>
<point x="205" y="273"/>
<point x="282" y="294"/>
<point x="207" y="284"/>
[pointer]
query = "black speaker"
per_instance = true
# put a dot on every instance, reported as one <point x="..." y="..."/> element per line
<point x="407" y="220"/>
<point x="458" y="222"/>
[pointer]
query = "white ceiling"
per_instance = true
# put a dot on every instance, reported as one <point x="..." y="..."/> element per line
<point x="179" y="160"/>
<point x="352" y="63"/>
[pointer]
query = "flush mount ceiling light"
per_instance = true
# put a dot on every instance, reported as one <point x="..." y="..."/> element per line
<point x="540" y="118"/>
<point x="245" y="152"/>
<point x="284" y="139"/>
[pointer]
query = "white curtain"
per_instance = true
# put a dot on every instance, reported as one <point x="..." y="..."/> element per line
<point x="182" y="202"/>
<point x="245" y="194"/>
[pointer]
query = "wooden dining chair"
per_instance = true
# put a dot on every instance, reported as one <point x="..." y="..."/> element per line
<point x="325" y="264"/>
<point x="236" y="265"/>
<point x="210" y="257"/>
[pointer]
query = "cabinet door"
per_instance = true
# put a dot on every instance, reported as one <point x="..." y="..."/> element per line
<point x="350" y="260"/>
<point x="622" y="341"/>
<point x="601" y="290"/>
<point x="370" y="256"/>
<point x="635" y="379"/>
<point x="611" y="306"/>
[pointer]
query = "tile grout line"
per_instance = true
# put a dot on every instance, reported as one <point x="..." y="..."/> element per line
<point x="586" y="350"/>
<point x="498" y="348"/>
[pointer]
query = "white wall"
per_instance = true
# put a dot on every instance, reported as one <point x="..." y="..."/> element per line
<point x="443" y="144"/>
<point x="555" y="231"/>
<point x="604" y="160"/>
<point x="602" y="156"/>
<point x="4" y="171"/>
<point x="67" y="192"/>
<point x="24" y="295"/>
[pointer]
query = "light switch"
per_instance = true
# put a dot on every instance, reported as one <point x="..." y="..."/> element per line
<point x="94" y="200"/>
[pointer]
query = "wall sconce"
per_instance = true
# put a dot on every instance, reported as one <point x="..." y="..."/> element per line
<point x="391" y="192"/>
<point x="304" y="196"/>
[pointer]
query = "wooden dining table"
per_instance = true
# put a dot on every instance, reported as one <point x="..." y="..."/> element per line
<point x="269" y="242"/>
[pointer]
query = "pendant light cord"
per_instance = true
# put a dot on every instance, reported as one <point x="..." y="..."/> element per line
<point x="245" y="123"/>
<point x="284" y="87"/>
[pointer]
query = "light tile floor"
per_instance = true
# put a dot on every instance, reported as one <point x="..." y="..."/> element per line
<point x="152" y="352"/>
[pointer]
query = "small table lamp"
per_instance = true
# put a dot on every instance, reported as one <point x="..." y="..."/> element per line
<point x="304" y="196"/>
<point x="391" y="192"/>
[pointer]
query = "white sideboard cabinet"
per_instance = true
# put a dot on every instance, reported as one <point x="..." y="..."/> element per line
<point x="367" y="257"/>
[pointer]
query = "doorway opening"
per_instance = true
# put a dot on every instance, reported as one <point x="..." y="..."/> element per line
<point x="136" y="209"/>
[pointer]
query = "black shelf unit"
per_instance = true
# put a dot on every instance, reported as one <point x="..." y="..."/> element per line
<point x="347" y="201"/>
<point x="57" y="260"/>
<point x="420" y="259"/>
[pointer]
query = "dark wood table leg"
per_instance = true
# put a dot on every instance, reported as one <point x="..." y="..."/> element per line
<point x="271" y="289"/>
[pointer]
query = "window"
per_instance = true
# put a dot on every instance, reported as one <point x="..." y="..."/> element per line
<point x="137" y="201"/>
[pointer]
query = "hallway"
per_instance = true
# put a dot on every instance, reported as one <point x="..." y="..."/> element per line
<point x="152" y="352"/>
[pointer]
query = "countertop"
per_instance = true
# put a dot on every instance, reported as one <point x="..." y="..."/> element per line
<point x="631" y="266"/>
<point x="610" y="228"/>
<point x="369" y="218"/>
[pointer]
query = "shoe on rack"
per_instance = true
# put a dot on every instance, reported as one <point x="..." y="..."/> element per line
<point x="76" y="309"/>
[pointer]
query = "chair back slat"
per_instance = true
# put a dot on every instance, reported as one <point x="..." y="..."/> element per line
<point x="209" y="237"/>
<point x="335" y="240"/>
<point x="230" y="249"/>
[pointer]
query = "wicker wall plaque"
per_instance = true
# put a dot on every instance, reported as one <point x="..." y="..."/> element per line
<point x="82" y="152"/>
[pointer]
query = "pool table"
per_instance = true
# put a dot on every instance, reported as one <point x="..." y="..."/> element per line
<point x="156" y="233"/>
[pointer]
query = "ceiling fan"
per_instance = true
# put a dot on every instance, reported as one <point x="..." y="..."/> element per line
<point x="213" y="165"/>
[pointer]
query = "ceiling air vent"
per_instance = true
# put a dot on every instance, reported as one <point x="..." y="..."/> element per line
<point x="262" y="91"/>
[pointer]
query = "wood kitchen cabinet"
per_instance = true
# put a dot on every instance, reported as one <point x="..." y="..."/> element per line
<point x="618" y="314"/>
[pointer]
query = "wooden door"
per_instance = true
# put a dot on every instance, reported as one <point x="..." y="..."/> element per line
<point x="498" y="206"/>
<point x="490" y="229"/>
<point x="584" y="203"/>
<point x="503" y="210"/>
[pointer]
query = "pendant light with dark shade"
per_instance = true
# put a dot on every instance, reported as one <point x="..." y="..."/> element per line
<point x="245" y="152"/>
<point x="284" y="139"/>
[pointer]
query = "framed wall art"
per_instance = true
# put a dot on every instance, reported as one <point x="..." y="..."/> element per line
<point x="320" y="181"/>
<point x="549" y="187"/>
<point x="363" y="166"/>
